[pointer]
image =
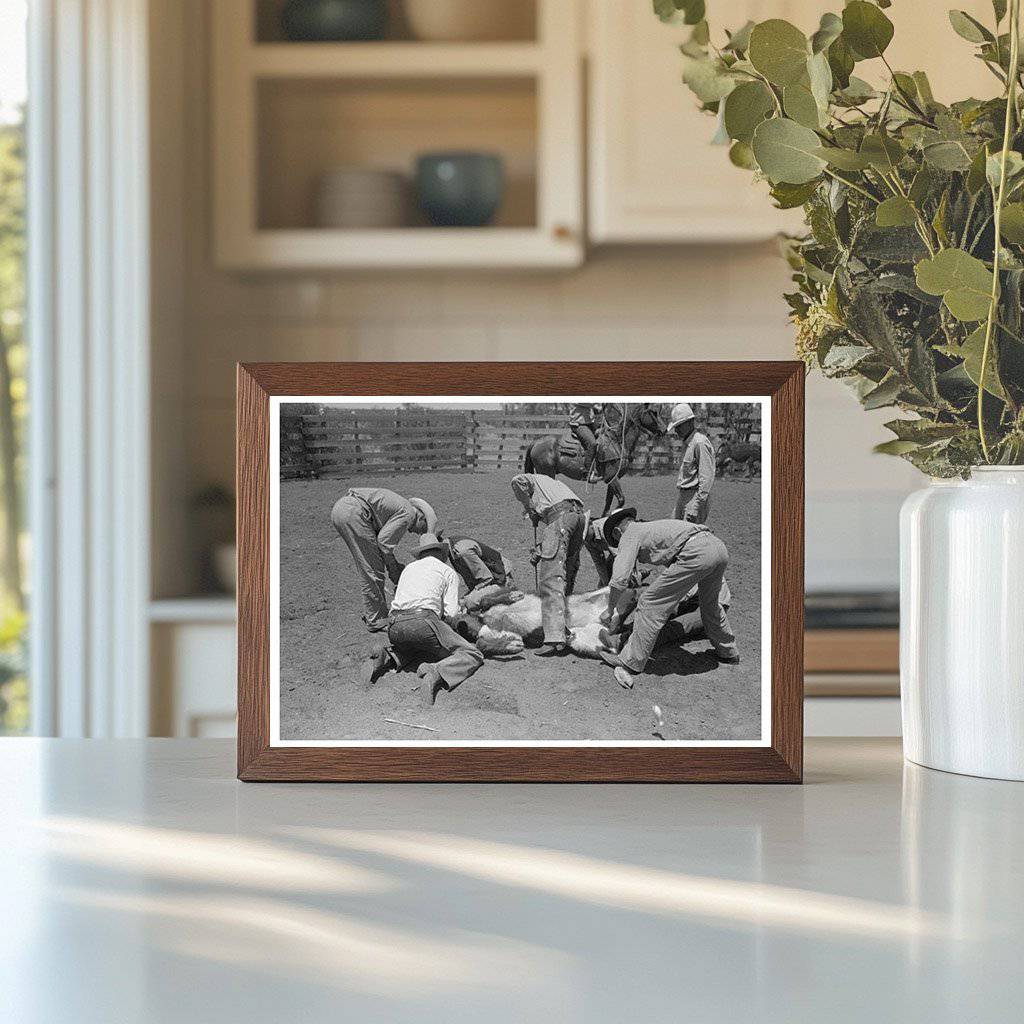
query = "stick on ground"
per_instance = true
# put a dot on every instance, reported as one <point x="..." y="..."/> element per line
<point x="409" y="725"/>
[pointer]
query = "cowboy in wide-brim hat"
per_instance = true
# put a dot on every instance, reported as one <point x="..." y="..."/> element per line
<point x="696" y="468"/>
<point x="371" y="521"/>
<point x="431" y="544"/>
<point x="421" y="631"/>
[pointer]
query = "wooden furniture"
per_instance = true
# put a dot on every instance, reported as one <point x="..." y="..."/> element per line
<point x="265" y="754"/>
<point x="285" y="113"/>
<point x="653" y="175"/>
<point x="142" y="883"/>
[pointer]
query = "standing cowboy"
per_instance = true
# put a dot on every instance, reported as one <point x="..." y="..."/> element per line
<point x="558" y="513"/>
<point x="420" y="629"/>
<point x="581" y="424"/>
<point x="477" y="563"/>
<point x="697" y="469"/>
<point x="371" y="521"/>
<point x="691" y="555"/>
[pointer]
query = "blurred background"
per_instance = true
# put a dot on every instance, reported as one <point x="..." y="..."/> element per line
<point x="250" y="180"/>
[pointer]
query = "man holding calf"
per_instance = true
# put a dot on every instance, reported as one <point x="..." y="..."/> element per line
<point x="690" y="556"/>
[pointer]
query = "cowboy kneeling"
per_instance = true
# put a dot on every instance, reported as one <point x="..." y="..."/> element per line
<point x="691" y="556"/>
<point x="420" y="632"/>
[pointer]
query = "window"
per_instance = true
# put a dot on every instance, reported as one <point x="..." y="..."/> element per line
<point x="14" y="691"/>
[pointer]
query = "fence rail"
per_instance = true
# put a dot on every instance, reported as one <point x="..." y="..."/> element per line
<point x="339" y="443"/>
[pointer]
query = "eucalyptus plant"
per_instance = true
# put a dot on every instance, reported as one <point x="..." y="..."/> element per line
<point x="910" y="277"/>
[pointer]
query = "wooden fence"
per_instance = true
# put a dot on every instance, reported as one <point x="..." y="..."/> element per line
<point x="337" y="443"/>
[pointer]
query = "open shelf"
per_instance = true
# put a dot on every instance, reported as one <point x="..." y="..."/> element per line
<point x="286" y="114"/>
<point x="520" y="23"/>
<point x="309" y="127"/>
<point x="393" y="60"/>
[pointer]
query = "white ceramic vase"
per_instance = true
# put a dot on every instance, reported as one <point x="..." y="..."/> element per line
<point x="962" y="624"/>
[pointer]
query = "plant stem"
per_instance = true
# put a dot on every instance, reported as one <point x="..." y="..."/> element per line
<point x="853" y="185"/>
<point x="1011" y="108"/>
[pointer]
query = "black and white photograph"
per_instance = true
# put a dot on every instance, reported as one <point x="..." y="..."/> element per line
<point x="514" y="572"/>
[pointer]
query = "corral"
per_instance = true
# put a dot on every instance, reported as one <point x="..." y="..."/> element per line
<point x="520" y="698"/>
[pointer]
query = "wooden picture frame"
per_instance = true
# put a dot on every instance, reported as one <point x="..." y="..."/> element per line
<point x="780" y="759"/>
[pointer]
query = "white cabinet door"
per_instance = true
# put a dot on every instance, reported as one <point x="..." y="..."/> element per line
<point x="654" y="177"/>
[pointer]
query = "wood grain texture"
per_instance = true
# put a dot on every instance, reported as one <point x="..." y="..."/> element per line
<point x="852" y="650"/>
<point x="782" y="761"/>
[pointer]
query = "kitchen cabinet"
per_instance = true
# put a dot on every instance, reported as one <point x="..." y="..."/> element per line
<point x="287" y="114"/>
<point x="653" y="175"/>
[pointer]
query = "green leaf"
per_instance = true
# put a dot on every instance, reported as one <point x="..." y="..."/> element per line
<point x="885" y="394"/>
<point x="741" y="155"/>
<point x="993" y="167"/>
<point x="947" y="156"/>
<point x="969" y="28"/>
<point x="895" y="447"/>
<point x="787" y="151"/>
<point x="976" y="173"/>
<point x="690" y="12"/>
<point x="801" y="106"/>
<point x="1012" y="223"/>
<point x="963" y="281"/>
<point x="739" y="41"/>
<point x="857" y="91"/>
<point x="924" y="88"/>
<point x="922" y="430"/>
<point x="971" y="352"/>
<point x="829" y="30"/>
<point x="895" y="212"/>
<point x="866" y="29"/>
<point x="707" y="78"/>
<point x="999" y="9"/>
<point x="819" y="74"/>
<point x="779" y="51"/>
<point x="841" y="63"/>
<point x="788" y="196"/>
<point x="883" y="152"/>
<point x="844" y="159"/>
<point x="922" y="185"/>
<point x="745" y="108"/>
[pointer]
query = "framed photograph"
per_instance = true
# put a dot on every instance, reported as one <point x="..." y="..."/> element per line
<point x="578" y="572"/>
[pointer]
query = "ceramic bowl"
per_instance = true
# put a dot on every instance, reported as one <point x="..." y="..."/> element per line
<point x="333" y="21"/>
<point x="359" y="197"/>
<point x="460" y="189"/>
<point x="470" y="20"/>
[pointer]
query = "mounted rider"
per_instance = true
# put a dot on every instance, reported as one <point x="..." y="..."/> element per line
<point x="583" y="425"/>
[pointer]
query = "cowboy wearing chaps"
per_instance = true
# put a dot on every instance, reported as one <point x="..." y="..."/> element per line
<point x="557" y="513"/>
<point x="690" y="556"/>
<point x="371" y="521"/>
<point x="420" y="633"/>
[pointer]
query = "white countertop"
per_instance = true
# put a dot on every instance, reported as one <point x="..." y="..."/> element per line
<point x="140" y="882"/>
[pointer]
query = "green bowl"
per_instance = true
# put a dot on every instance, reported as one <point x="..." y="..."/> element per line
<point x="334" y="21"/>
<point x="460" y="189"/>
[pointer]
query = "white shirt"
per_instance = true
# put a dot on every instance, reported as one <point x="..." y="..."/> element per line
<point x="430" y="584"/>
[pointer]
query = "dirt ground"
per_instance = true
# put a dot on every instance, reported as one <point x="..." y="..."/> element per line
<point x="521" y="698"/>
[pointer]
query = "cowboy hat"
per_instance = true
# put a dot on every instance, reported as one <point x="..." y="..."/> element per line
<point x="426" y="510"/>
<point x="430" y="544"/>
<point x="610" y="522"/>
<point x="681" y="414"/>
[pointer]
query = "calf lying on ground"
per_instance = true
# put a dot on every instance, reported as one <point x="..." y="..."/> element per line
<point x="512" y="620"/>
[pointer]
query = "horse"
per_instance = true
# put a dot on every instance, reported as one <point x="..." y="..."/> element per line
<point x="733" y="455"/>
<point x="563" y="454"/>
